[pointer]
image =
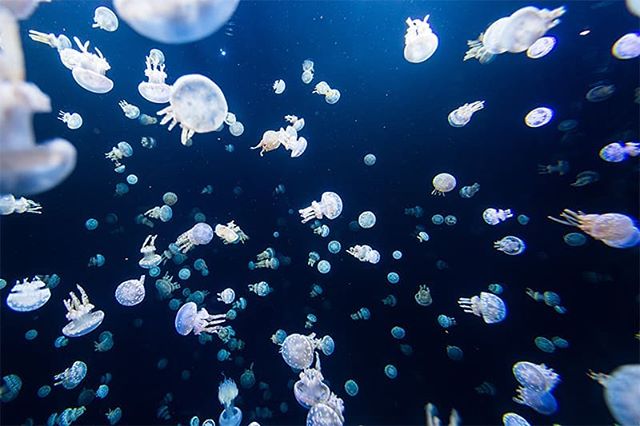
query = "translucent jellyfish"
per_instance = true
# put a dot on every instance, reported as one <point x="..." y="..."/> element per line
<point x="437" y="219"/>
<point x="397" y="254"/>
<point x="104" y="343"/>
<point x="561" y="167"/>
<point x="81" y="320"/>
<point x="575" y="239"/>
<point x="488" y="306"/>
<point x="9" y="204"/>
<point x="622" y="392"/>
<point x="423" y="296"/>
<point x="510" y="245"/>
<point x="541" y="401"/>
<point x="541" y="47"/>
<point x="367" y="219"/>
<point x="60" y="342"/>
<point x="199" y="234"/>
<point x="114" y="415"/>
<point x="559" y="342"/>
<point x="537" y="377"/>
<point x="416" y="211"/>
<point x="363" y="314"/>
<point x="230" y="233"/>
<point x="334" y="247"/>
<point x="600" y="92"/>
<point x="513" y="419"/>
<point x="495" y="288"/>
<point x="544" y="344"/>
<point x="586" y="177"/>
<point x="197" y="104"/>
<point x="131" y="292"/>
<point x="148" y="250"/>
<point x="391" y="371"/>
<point x="442" y="183"/>
<point x="176" y="21"/>
<point x="455" y="353"/>
<point x="184" y="273"/>
<point x="567" y="125"/>
<point x="361" y="252"/>
<point x="118" y="152"/>
<point x="351" y="387"/>
<point x="614" y="229"/>
<point x="450" y="220"/>
<point x="322" y="230"/>
<point x="31" y="334"/>
<point x="155" y="89"/>
<point x="10" y="387"/>
<point x="189" y="319"/>
<point x="616" y="152"/>
<point x="105" y="19"/>
<point x="445" y="321"/>
<point x="261" y="288"/>
<point x="324" y="267"/>
<point x="461" y="116"/>
<point x="102" y="391"/>
<point x="169" y="198"/>
<point x="313" y="258"/>
<point x="227" y="393"/>
<point x="98" y="260"/>
<point x="298" y="350"/>
<point x="147" y="120"/>
<point x="28" y="295"/>
<point x="328" y="412"/>
<point x="322" y="88"/>
<point x="130" y="111"/>
<point x="494" y="216"/>
<point x="332" y="96"/>
<point x="90" y="71"/>
<point x="469" y="191"/>
<point x="488" y="43"/>
<point x="223" y="355"/>
<point x="369" y="159"/>
<point x="44" y="391"/>
<point x="227" y="296"/>
<point x="538" y="117"/>
<point x="330" y="206"/>
<point x="279" y="86"/>
<point x="73" y="121"/>
<point x="72" y="376"/>
<point x="310" y="389"/>
<point x="390" y="300"/>
<point x="393" y="277"/>
<point x="132" y="179"/>
<point x="527" y="25"/>
<point x="272" y="263"/>
<point x="420" y="43"/>
<point x="627" y="46"/>
<point x="307" y="71"/>
<point x="236" y="129"/>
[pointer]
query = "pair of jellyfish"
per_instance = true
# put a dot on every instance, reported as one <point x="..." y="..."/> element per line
<point x="369" y="160"/>
<point x="613" y="229"/>
<point x="443" y="183"/>
<point x="105" y="19"/>
<point x="416" y="211"/>
<point x="230" y="233"/>
<point x="600" y="92"/>
<point x="131" y="292"/>
<point x="364" y="253"/>
<point x="550" y="299"/>
<point x="331" y="96"/>
<point x="616" y="152"/>
<point x="199" y="234"/>
<point x="488" y="306"/>
<point x="585" y="178"/>
<point x="71" y="377"/>
<point x="626" y="47"/>
<point x="536" y="383"/>
<point x="82" y="319"/>
<point x="541" y="47"/>
<point x="422" y="296"/>
<point x="261" y="288"/>
<point x="538" y="117"/>
<point x="362" y="314"/>
<point x="420" y="43"/>
<point x="98" y="260"/>
<point x="28" y="295"/>
<point x="461" y="116"/>
<point x="272" y="139"/>
<point x="510" y="245"/>
<point x="621" y="392"/>
<point x="367" y="220"/>
<point x="236" y="128"/>
<point x="104" y="343"/>
<point x="197" y="104"/>
<point x="469" y="191"/>
<point x="307" y="71"/>
<point x="72" y="120"/>
<point x="279" y="86"/>
<point x="329" y="206"/>
<point x="10" y="204"/>
<point x="493" y="216"/>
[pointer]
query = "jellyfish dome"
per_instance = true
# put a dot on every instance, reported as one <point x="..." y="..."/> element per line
<point x="326" y="413"/>
<point x="28" y="295"/>
<point x="622" y="392"/>
<point x="627" y="46"/>
<point x="541" y="47"/>
<point x="175" y="21"/>
<point x="443" y="182"/>
<point x="297" y="350"/>
<point x="189" y="318"/>
<point x="536" y="377"/>
<point x="538" y="117"/>
<point x="513" y="419"/>
<point x="367" y="220"/>
<point x="420" y="43"/>
<point x="131" y="292"/>
<point x="510" y="245"/>
<point x="200" y="234"/>
<point x="488" y="306"/>
<point x="330" y="206"/>
<point x="527" y="25"/>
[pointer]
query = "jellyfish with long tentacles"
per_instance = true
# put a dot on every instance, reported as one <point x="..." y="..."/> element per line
<point x="614" y="229"/>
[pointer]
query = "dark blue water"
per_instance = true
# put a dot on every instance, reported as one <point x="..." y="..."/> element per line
<point x="389" y="107"/>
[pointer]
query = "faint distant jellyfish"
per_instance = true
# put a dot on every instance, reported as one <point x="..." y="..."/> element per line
<point x="31" y="334"/>
<point x="575" y="239"/>
<point x="510" y="245"/>
<point x="197" y="104"/>
<point x="351" y="387"/>
<point x="363" y="314"/>
<point x="155" y="89"/>
<point x="60" y="342"/>
<point x="616" y="152"/>
<point x="190" y="319"/>
<point x="72" y="376"/>
<point x="391" y="371"/>
<point x="423" y="296"/>
<point x="469" y="191"/>
<point x="567" y="125"/>
<point x="169" y="198"/>
<point x="44" y="391"/>
<point x="104" y="343"/>
<point x="398" y="332"/>
<point x="227" y="296"/>
<point x="369" y="159"/>
<point x="513" y="419"/>
<point x="334" y="247"/>
<point x="561" y="167"/>
<point x="330" y="206"/>
<point x="461" y="116"/>
<point x="81" y="320"/>
<point x="102" y="391"/>
<point x="279" y="86"/>
<point x="393" y="277"/>
<point x="28" y="295"/>
<point x="73" y="120"/>
<point x="488" y="306"/>
<point x="446" y="321"/>
<point x="495" y="288"/>
<point x="390" y="300"/>
<point x="199" y="234"/>
<point x="437" y="219"/>
<point x="622" y="392"/>
<point x="147" y="120"/>
<point x="544" y="344"/>
<point x="585" y="178"/>
<point x="537" y="377"/>
<point x="442" y="183"/>
<point x="538" y="117"/>
<point x="541" y="401"/>
<point x="130" y="111"/>
<point x="416" y="211"/>
<point x="10" y="387"/>
<point x="114" y="415"/>
<point x="420" y="43"/>
<point x="601" y="92"/>
<point x="324" y="267"/>
<point x="627" y="46"/>
<point x="541" y="47"/>
<point x="450" y="220"/>
<point x="614" y="229"/>
<point x="397" y="254"/>
<point x="97" y="260"/>
<point x="105" y="19"/>
<point x="131" y="292"/>
<point x="118" y="152"/>
<point x="455" y="353"/>
<point x="494" y="216"/>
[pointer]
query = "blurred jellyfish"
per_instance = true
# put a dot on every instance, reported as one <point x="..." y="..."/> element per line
<point x="627" y="46"/>
<point x="461" y="116"/>
<point x="61" y="341"/>
<point x="28" y="295"/>
<point x="248" y="379"/>
<point x="223" y="355"/>
<point x="613" y="229"/>
<point x="114" y="415"/>
<point x="495" y="288"/>
<point x="44" y="391"/>
<point x="351" y="387"/>
<point x="322" y="230"/>
<point x="72" y="120"/>
<point x="537" y="377"/>
<point x="390" y="371"/>
<point x="442" y="183"/>
<point x="190" y="319"/>
<point x="488" y="306"/>
<point x="494" y="216"/>
<point x="441" y="265"/>
<point x="91" y="224"/>
<point x="541" y="401"/>
<point x="334" y="247"/>
<point x="622" y="392"/>
<point x="80" y="316"/>
<point x="70" y="415"/>
<point x="397" y="254"/>
<point x="307" y="71"/>
<point x="544" y="344"/>
<point x="567" y="125"/>
<point x="585" y="178"/>
<point x="72" y="376"/>
<point x="227" y="296"/>
<point x="131" y="292"/>
<point x="513" y="419"/>
<point x="510" y="245"/>
<point x="454" y="353"/>
<point x="199" y="234"/>
<point x="169" y="198"/>
<point x="469" y="191"/>
<point x="279" y="336"/>
<point x="450" y="220"/>
<point x="102" y="391"/>
<point x="422" y="237"/>
<point x="423" y="296"/>
<point x="367" y="220"/>
<point x="330" y="206"/>
<point x="616" y="152"/>
<point x="10" y="387"/>
<point x="310" y="321"/>
<point x="437" y="219"/>
<point x="575" y="239"/>
<point x="121" y="189"/>
<point x="105" y="19"/>
<point x="361" y="314"/>
<point x="9" y="204"/>
<point x="600" y="92"/>
<point x="445" y="321"/>
<point x="559" y="342"/>
<point x="393" y="277"/>
<point x="416" y="211"/>
<point x="561" y="167"/>
<point x="261" y="288"/>
<point x="31" y="334"/>
<point x="147" y="120"/>
<point x="369" y="159"/>
<point x="97" y="260"/>
<point x="538" y="117"/>
<point x="398" y="332"/>
<point x="523" y="219"/>
<point x="541" y="47"/>
<point x="324" y="266"/>
<point x="104" y="343"/>
<point x="166" y="286"/>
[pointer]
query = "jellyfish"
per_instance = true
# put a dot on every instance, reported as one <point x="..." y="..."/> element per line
<point x="130" y="111"/>
<point x="155" y="89"/>
<point x="627" y="46"/>
<point x="98" y="260"/>
<point x="544" y="344"/>
<point x="369" y="160"/>
<point x="279" y="86"/>
<point x="454" y="353"/>
<point x="536" y="377"/>
<point x="513" y="419"/>
<point x="420" y="43"/>
<point x="423" y="296"/>
<point x="332" y="96"/>
<point x="450" y="220"/>
<point x="9" y="204"/>
<point x="494" y="216"/>
<point x="310" y="389"/>
<point x="298" y="350"/>
<point x="510" y="245"/>
<point x="393" y="277"/>
<point x="600" y="92"/>
<point x="44" y="391"/>
<point x="416" y="211"/>
<point x="585" y="178"/>
<point x="541" y="401"/>
<point x="148" y="250"/>
<point x="363" y="314"/>
<point x="28" y="295"/>
<point x="307" y="71"/>
<point x="391" y="371"/>
<point x="488" y="306"/>
<point x="330" y="206"/>
<point x="527" y="25"/>
<point x="575" y="239"/>
<point x="614" y="229"/>
<point x="316" y="290"/>
<point x="131" y="292"/>
<point x="367" y="220"/>
<point x="230" y="233"/>
<point x="351" y="387"/>
<point x="197" y="104"/>
<point x="184" y="273"/>
<point x="73" y="120"/>
<point x="541" y="47"/>
<point x="227" y="296"/>
<point x="147" y="120"/>
<point x="621" y="392"/>
<point x="272" y="263"/>
<point x="60" y="342"/>
<point x="102" y="391"/>
<point x="81" y="320"/>
<point x="169" y="198"/>
<point x="469" y="191"/>
<point x="31" y="334"/>
<point x="561" y="167"/>
<point x="313" y="258"/>
<point x="189" y="319"/>
<point x="324" y="266"/>
<point x="322" y="88"/>
<point x="10" y="387"/>
<point x="445" y="321"/>
<point x="437" y="219"/>
<point x="261" y="288"/>
<point x="199" y="234"/>
<point x="398" y="332"/>
<point x="461" y="116"/>
<point x="104" y="343"/>
<point x="90" y="70"/>
<point x="538" y="117"/>
<point x="118" y="152"/>
<point x="105" y="19"/>
<point x="616" y="152"/>
<point x="322" y="230"/>
<point x="72" y="376"/>
<point x="442" y="183"/>
<point x="390" y="300"/>
<point x="164" y="213"/>
<point x="223" y="355"/>
<point x="175" y="22"/>
<point x="328" y="412"/>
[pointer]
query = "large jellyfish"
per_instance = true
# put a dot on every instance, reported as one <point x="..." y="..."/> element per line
<point x="131" y="292"/>
<point x="199" y="234"/>
<point x="488" y="306"/>
<point x="10" y="204"/>
<point x="189" y="318"/>
<point x="175" y="21"/>
<point x="420" y="43"/>
<point x="155" y="90"/>
<point x="614" y="229"/>
<point x="230" y="233"/>
<point x="105" y="19"/>
<point x="622" y="393"/>
<point x="627" y="46"/>
<point x="328" y="412"/>
<point x="330" y="206"/>
<point x="197" y="104"/>
<point x="72" y="376"/>
<point x="81" y="320"/>
<point x="28" y="295"/>
<point x="461" y="116"/>
<point x="298" y="350"/>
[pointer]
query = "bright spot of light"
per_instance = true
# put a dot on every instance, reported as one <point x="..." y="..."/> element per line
<point x="223" y="52"/>
<point x="585" y="32"/>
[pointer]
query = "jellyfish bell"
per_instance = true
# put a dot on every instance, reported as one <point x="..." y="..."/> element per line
<point x="420" y="41"/>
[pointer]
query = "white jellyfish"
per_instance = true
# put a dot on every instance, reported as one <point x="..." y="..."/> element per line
<point x="197" y="104"/>
<point x="442" y="183"/>
<point x="118" y="152"/>
<point x="69" y="57"/>
<point x="199" y="234"/>
<point x="494" y="216"/>
<point x="28" y="295"/>
<point x="155" y="89"/>
<point x="90" y="71"/>
<point x="298" y="350"/>
<point x="279" y="86"/>
<point x="322" y="88"/>
<point x="72" y="120"/>
<point x="307" y="71"/>
<point x="105" y="19"/>
<point x="230" y="233"/>
<point x="190" y="319"/>
<point x="130" y="111"/>
<point x="420" y="43"/>
<point x="310" y="389"/>
<point x="10" y="204"/>
<point x="81" y="320"/>
<point x="488" y="306"/>
<point x="131" y="292"/>
<point x="461" y="116"/>
<point x="332" y="96"/>
<point x="227" y="296"/>
<point x="367" y="219"/>
<point x="510" y="245"/>
<point x="330" y="206"/>
<point x="627" y="46"/>
<point x="541" y="47"/>
<point x="538" y="117"/>
<point x="148" y="250"/>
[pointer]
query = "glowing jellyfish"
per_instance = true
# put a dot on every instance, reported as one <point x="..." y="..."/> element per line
<point x="423" y="296"/>
<point x="488" y="306"/>
<point x="148" y="250"/>
<point x="495" y="288"/>
<point x="130" y="111"/>
<point x="445" y="321"/>
<point x="44" y="391"/>
<point x="351" y="387"/>
<point x="450" y="220"/>
<point x="461" y="116"/>
<point x="298" y="350"/>
<point x="442" y="183"/>
<point x="455" y="353"/>
<point x="538" y="117"/>
<point x="541" y="401"/>
<point x="330" y="206"/>
<point x="324" y="266"/>
<point x="9" y="204"/>
<point x="544" y="344"/>
<point x="279" y="86"/>
<point x="79" y="313"/>
<point x="118" y="152"/>
<point x="513" y="419"/>
<point x="132" y="179"/>
<point x="230" y="233"/>
<point x="369" y="159"/>
<point x="367" y="219"/>
<point x="397" y="254"/>
<point x="60" y="342"/>
<point x="616" y="152"/>
<point x="398" y="332"/>
<point x="600" y="92"/>
<point x="420" y="43"/>
<point x="89" y="72"/>
<point x="31" y="334"/>
<point x="313" y="258"/>
<point x="10" y="387"/>
<point x="627" y="46"/>
<point x="184" y="273"/>
<point x="28" y="295"/>
<point x="199" y="234"/>
<point x="227" y="296"/>
<point x="575" y="239"/>
<point x="494" y="216"/>
<point x="310" y="389"/>
<point x="227" y="393"/>
<point x="437" y="219"/>
<point x="105" y="19"/>
<point x="307" y="71"/>
<point x="169" y="198"/>
<point x="614" y="229"/>
<point x="102" y="391"/>
<point x="390" y="371"/>
<point x="197" y="104"/>
<point x="72" y="120"/>
<point x="322" y="230"/>
<point x="393" y="277"/>
<point x="510" y="245"/>
<point x="469" y="191"/>
<point x="72" y="376"/>
<point x="190" y="319"/>
<point x="104" y="343"/>
<point x="585" y="178"/>
<point x="334" y="247"/>
<point x="622" y="392"/>
<point x="541" y="47"/>
<point x="131" y="292"/>
<point x="261" y="288"/>
<point x="536" y="377"/>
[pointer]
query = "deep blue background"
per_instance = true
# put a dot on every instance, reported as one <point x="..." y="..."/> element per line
<point x="389" y="107"/>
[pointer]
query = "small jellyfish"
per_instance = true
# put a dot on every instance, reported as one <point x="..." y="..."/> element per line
<point x="627" y="46"/>
<point x="44" y="391"/>
<point x="575" y="239"/>
<point x="351" y="387"/>
<point x="559" y="342"/>
<point x="223" y="355"/>
<point x="147" y="120"/>
<point x="369" y="160"/>
<point x="121" y="189"/>
<point x="455" y="353"/>
<point x="310" y="321"/>
<point x="423" y="296"/>
<point x="279" y="336"/>
<point x="442" y="183"/>
<point x="393" y="277"/>
<point x="495" y="288"/>
<point x="91" y="224"/>
<point x="390" y="300"/>
<point x="102" y="391"/>
<point x="322" y="230"/>
<point x="104" y="343"/>
<point x="541" y="47"/>
<point x="437" y="219"/>
<point x="297" y="350"/>
<point x="585" y="178"/>
<point x="544" y="344"/>
<point x="60" y="342"/>
<point x="494" y="216"/>
<point x="105" y="19"/>
<point x="307" y="71"/>
<point x="567" y="125"/>
<point x="398" y="332"/>
<point x="279" y="86"/>
<point x="190" y="319"/>
<point x="332" y="96"/>
<point x="450" y="220"/>
<point x="324" y="266"/>
<point x="523" y="219"/>
<point x="28" y="295"/>
<point x="199" y="234"/>
<point x="614" y="229"/>
<point x="72" y="376"/>
<point x="316" y="290"/>
<point x="416" y="211"/>
<point x="488" y="306"/>
<point x="236" y="129"/>
<point x="334" y="247"/>
<point x="510" y="245"/>
<point x="600" y="92"/>
<point x="184" y="273"/>
<point x="363" y="314"/>
<point x="118" y="152"/>
<point x="227" y="296"/>
<point x="469" y="191"/>
<point x="622" y="392"/>
<point x="367" y="220"/>
<point x="132" y="179"/>
<point x="541" y="401"/>
<point x="330" y="206"/>
<point x="461" y="116"/>
<point x="73" y="120"/>
<point x="80" y="316"/>
<point x="114" y="415"/>
<point x="261" y="288"/>
<point x="445" y="321"/>
<point x="131" y="292"/>
<point x="538" y="117"/>
<point x="391" y="371"/>
<point x="616" y="152"/>
<point x="420" y="43"/>
<point x="230" y="233"/>
<point x="536" y="377"/>
<point x="397" y="254"/>
<point x="31" y="334"/>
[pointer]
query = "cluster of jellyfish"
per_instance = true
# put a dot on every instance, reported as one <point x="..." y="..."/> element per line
<point x="288" y="138"/>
